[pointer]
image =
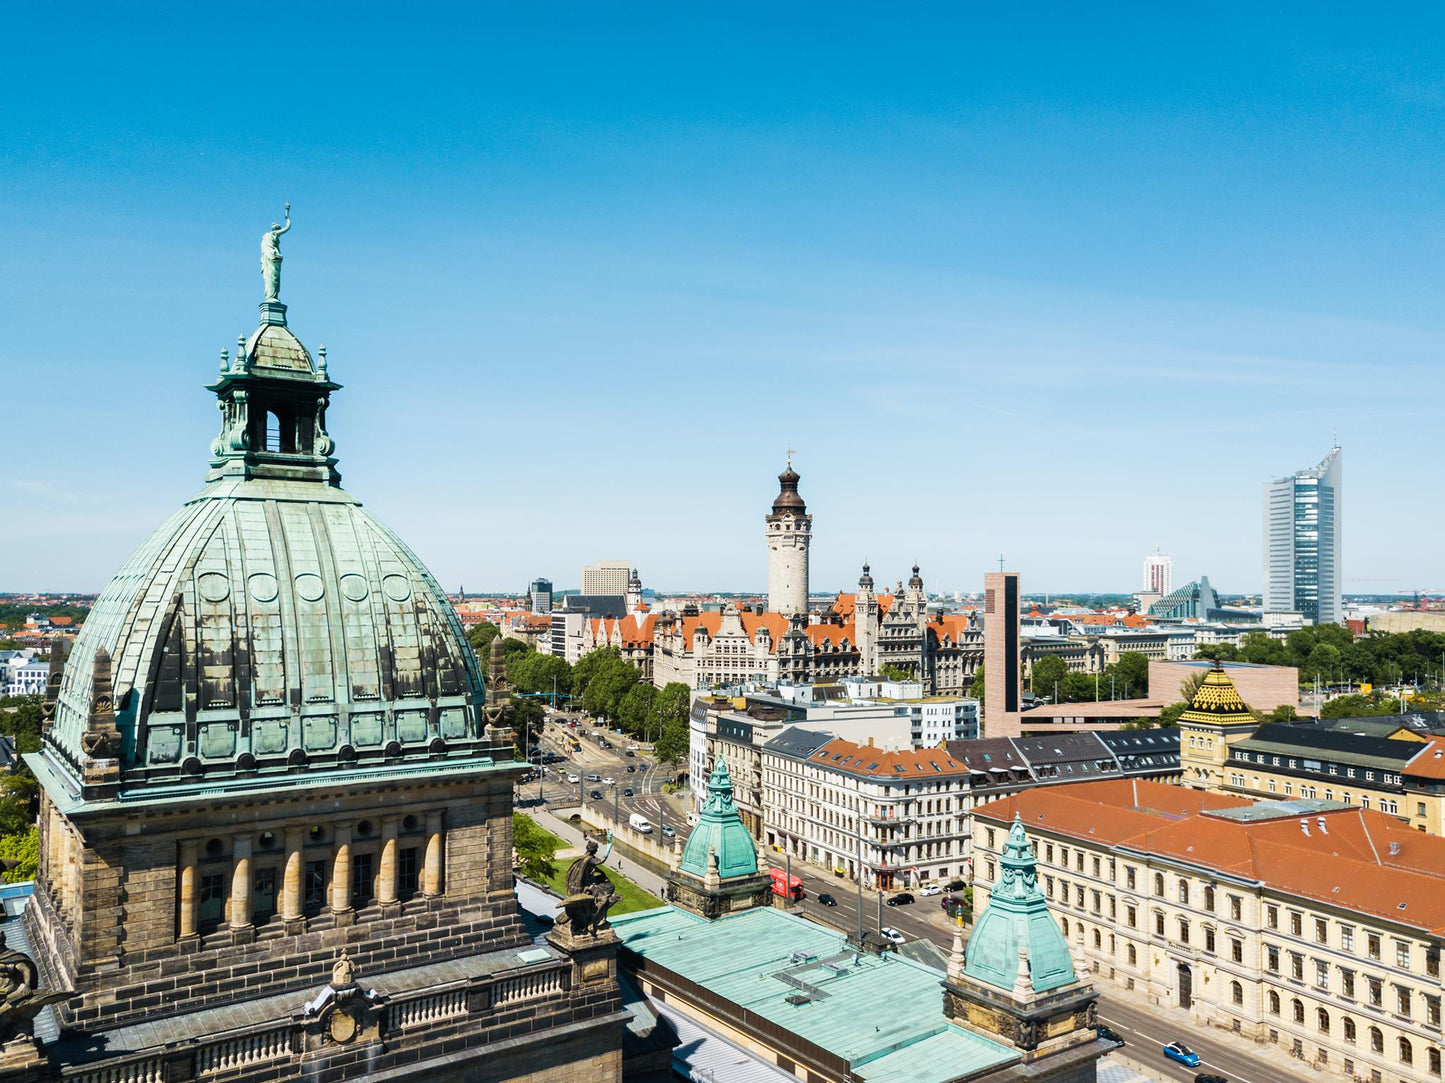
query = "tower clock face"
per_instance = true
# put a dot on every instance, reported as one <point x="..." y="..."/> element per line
<point x="342" y="1027"/>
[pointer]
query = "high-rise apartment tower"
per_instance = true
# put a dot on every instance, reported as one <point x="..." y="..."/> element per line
<point x="1158" y="573"/>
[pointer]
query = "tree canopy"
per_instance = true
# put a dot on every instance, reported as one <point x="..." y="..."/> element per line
<point x="669" y="721"/>
<point x="1331" y="654"/>
<point x="536" y="848"/>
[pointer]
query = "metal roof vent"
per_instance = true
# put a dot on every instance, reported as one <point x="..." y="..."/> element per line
<point x="1304" y="825"/>
<point x="1320" y="821"/>
<point x="1394" y="848"/>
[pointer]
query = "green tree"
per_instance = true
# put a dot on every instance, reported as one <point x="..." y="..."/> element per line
<point x="536" y="672"/>
<point x="975" y="689"/>
<point x="635" y="711"/>
<point x="1358" y="706"/>
<point x="536" y="848"/>
<point x="1283" y="713"/>
<point x="1080" y="687"/>
<point x="9" y="644"/>
<point x="1131" y="674"/>
<point x="20" y="855"/>
<point x="669" y="721"/>
<point x="480" y="636"/>
<point x="1046" y="672"/>
<point x="889" y="672"/>
<point x="21" y="717"/>
<point x="588" y="665"/>
<point x="17" y="804"/>
<point x="1218" y="652"/>
<point x="609" y="683"/>
<point x="1323" y="661"/>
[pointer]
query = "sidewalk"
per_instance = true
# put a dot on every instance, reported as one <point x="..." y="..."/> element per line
<point x="642" y="877"/>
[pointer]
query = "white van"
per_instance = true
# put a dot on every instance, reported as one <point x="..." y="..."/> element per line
<point x="640" y="823"/>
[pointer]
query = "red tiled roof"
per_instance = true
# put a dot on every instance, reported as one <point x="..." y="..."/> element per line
<point x="844" y="604"/>
<point x="1429" y="762"/>
<point x="1361" y="860"/>
<point x="875" y="763"/>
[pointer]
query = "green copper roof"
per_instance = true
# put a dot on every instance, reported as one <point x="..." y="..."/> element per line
<point x="272" y="623"/>
<point x="1017" y="915"/>
<point x="883" y="1014"/>
<point x="720" y="828"/>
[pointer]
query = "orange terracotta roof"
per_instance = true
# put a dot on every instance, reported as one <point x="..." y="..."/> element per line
<point x="873" y="762"/>
<point x="61" y="622"/>
<point x="1429" y="762"/>
<point x="1361" y="860"/>
<point x="844" y="604"/>
<point x="831" y="635"/>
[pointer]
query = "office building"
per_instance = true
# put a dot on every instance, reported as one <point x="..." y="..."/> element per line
<point x="1302" y="542"/>
<point x="1158" y="573"/>
<point x="540" y="596"/>
<point x="1001" y="661"/>
<point x="607" y="577"/>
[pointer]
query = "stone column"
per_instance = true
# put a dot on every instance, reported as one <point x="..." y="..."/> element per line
<point x="291" y="880"/>
<point x="241" y="882"/>
<point x="341" y="876"/>
<point x="386" y="885"/>
<point x="188" y="890"/>
<point x="431" y="880"/>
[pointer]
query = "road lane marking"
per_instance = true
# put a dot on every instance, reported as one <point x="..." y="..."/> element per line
<point x="1162" y="1043"/>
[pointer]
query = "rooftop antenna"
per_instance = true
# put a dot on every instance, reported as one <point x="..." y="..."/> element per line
<point x="1000" y="562"/>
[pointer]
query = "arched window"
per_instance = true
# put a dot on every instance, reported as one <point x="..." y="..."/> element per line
<point x="1297" y="1011"/>
<point x="273" y="431"/>
<point x="1184" y="892"/>
<point x="1159" y="883"/>
<point x="1347" y="1027"/>
<point x="1133" y="956"/>
<point x="1236" y="992"/>
<point x="1407" y="1054"/>
<point x="1322" y="1020"/>
<point x="1098" y="940"/>
<point x="1065" y="922"/>
<point x="1377" y="1040"/>
<point x="1273" y="1002"/>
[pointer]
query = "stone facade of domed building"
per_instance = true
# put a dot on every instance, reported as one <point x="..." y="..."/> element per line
<point x="276" y="799"/>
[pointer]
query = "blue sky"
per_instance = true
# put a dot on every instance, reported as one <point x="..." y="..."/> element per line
<point x="1060" y="284"/>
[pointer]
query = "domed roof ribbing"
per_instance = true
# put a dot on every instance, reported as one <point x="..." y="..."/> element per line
<point x="720" y="828"/>
<point x="272" y="622"/>
<point x="1018" y="916"/>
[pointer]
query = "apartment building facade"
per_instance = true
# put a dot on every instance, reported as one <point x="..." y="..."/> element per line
<point x="1301" y="924"/>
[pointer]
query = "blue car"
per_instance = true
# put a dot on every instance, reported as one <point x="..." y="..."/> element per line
<point x="1182" y="1053"/>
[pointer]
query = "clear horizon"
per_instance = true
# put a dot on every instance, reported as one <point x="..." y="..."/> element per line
<point x="1061" y="289"/>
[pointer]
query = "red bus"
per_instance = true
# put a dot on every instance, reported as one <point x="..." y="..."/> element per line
<point x="789" y="887"/>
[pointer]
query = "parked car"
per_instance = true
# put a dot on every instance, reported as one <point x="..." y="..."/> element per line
<point x="827" y="900"/>
<point x="892" y="935"/>
<point x="1109" y="1034"/>
<point x="1182" y="1053"/>
<point x="668" y="832"/>
<point x="631" y="767"/>
<point x="954" y="885"/>
<point x="629" y="752"/>
<point x="627" y="791"/>
<point x="930" y="889"/>
<point x="609" y="782"/>
<point x="1206" y="1077"/>
<point x="901" y="899"/>
<point x="596" y="795"/>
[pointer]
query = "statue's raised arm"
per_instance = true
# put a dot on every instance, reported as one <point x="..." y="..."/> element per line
<point x="271" y="256"/>
<point x="605" y="854"/>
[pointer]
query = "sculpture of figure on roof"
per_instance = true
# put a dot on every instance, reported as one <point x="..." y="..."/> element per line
<point x="271" y="256"/>
<point x="589" y="892"/>
<point x="20" y="998"/>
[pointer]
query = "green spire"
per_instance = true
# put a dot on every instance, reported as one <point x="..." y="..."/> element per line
<point x="1017" y="917"/>
<point x="720" y="829"/>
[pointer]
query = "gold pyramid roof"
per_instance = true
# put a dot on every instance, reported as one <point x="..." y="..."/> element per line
<point x="1217" y="703"/>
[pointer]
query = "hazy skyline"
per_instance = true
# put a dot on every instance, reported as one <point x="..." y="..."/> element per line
<point x="1059" y="288"/>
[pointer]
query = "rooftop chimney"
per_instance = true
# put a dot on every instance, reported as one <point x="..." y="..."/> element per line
<point x="1304" y="825"/>
<point x="1320" y="822"/>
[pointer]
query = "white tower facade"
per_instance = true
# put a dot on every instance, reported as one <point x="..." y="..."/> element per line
<point x="1158" y="573"/>
<point x="789" y="533"/>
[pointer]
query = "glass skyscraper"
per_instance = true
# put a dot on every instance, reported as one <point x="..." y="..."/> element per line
<point x="1302" y="542"/>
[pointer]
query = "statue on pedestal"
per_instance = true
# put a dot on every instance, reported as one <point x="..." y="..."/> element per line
<point x="589" y="892"/>
<point x="271" y="256"/>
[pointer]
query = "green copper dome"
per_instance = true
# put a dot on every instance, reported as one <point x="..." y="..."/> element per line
<point x="1018" y="916"/>
<point x="720" y="828"/>
<point x="272" y="623"/>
